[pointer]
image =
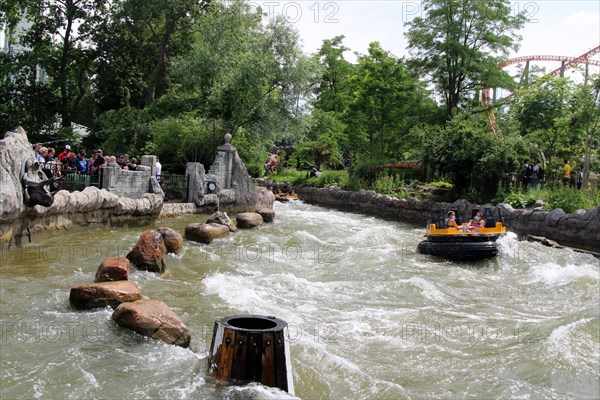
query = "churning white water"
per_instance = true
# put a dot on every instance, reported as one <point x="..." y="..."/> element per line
<point x="368" y="316"/>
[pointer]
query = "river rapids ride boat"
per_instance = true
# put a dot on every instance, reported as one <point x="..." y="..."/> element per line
<point x="280" y="196"/>
<point x="463" y="244"/>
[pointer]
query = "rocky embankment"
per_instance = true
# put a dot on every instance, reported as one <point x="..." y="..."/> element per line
<point x="580" y="229"/>
<point x="69" y="209"/>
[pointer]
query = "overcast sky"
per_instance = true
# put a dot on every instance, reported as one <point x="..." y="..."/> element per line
<point x="555" y="27"/>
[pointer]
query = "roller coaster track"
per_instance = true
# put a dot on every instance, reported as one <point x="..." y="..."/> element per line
<point x="566" y="63"/>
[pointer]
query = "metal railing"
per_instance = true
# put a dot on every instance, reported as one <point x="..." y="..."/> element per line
<point x="173" y="186"/>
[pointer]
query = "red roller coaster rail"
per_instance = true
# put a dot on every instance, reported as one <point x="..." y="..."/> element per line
<point x="566" y="63"/>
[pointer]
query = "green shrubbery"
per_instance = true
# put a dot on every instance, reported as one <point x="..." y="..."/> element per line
<point x="391" y="185"/>
<point x="334" y="178"/>
<point x="567" y="199"/>
<point x="570" y="200"/>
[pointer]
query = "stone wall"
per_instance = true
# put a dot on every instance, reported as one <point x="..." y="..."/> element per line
<point x="74" y="210"/>
<point x="132" y="184"/>
<point x="227" y="186"/>
<point x="580" y="229"/>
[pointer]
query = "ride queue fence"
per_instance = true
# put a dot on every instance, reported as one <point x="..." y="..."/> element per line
<point x="174" y="186"/>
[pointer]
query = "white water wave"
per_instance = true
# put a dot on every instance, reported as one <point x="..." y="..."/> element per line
<point x="558" y="275"/>
<point x="572" y="343"/>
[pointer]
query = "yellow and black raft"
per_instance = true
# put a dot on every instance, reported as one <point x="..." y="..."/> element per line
<point x="281" y="196"/>
<point x="463" y="244"/>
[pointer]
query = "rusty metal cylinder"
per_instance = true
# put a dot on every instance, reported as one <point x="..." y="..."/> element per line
<point x="253" y="348"/>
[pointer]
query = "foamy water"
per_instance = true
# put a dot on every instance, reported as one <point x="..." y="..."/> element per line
<point x="368" y="316"/>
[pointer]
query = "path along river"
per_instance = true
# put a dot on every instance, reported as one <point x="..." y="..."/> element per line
<point x="368" y="316"/>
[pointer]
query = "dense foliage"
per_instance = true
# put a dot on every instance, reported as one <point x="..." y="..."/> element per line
<point x="458" y="43"/>
<point x="171" y="77"/>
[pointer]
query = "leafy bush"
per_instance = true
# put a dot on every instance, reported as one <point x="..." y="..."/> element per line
<point x="391" y="185"/>
<point x="515" y="199"/>
<point x="255" y="170"/>
<point x="567" y="199"/>
<point x="334" y="178"/>
<point x="290" y="175"/>
<point x="126" y="130"/>
<point x="441" y="185"/>
<point x="355" y="183"/>
<point x="473" y="159"/>
<point x="570" y="200"/>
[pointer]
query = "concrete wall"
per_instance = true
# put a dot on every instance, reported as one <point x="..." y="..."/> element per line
<point x="132" y="184"/>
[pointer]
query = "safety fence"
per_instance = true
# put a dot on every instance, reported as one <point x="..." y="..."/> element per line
<point x="173" y="186"/>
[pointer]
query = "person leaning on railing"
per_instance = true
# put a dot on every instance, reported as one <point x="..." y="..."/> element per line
<point x="69" y="164"/>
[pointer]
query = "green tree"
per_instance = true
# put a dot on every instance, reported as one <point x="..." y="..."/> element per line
<point x="458" y="43"/>
<point x="553" y="114"/>
<point x="327" y="142"/>
<point x="126" y="130"/>
<point x="332" y="86"/>
<point x="185" y="138"/>
<point x="58" y="40"/>
<point x="464" y="151"/>
<point x="24" y="100"/>
<point x="586" y="115"/>
<point x="387" y="101"/>
<point x="241" y="72"/>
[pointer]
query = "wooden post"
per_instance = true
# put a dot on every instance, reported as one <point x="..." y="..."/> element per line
<point x="251" y="348"/>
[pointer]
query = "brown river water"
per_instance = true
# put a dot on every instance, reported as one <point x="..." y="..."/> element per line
<point x="369" y="318"/>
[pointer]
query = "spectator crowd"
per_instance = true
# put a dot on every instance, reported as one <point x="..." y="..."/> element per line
<point x="67" y="162"/>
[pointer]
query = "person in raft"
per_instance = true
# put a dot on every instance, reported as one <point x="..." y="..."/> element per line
<point x="477" y="222"/>
<point x="451" y="220"/>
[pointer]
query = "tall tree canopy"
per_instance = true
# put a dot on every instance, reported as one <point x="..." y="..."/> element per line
<point x="386" y="103"/>
<point x="458" y="44"/>
<point x="241" y="76"/>
<point x="559" y="116"/>
<point x="59" y="39"/>
<point x="332" y="87"/>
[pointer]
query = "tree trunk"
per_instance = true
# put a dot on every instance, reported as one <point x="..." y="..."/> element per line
<point x="62" y="77"/>
<point x="161" y="64"/>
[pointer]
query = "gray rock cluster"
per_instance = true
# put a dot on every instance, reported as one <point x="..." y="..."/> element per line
<point x="14" y="149"/>
<point x="219" y="224"/>
<point x="580" y="229"/>
<point x="233" y="191"/>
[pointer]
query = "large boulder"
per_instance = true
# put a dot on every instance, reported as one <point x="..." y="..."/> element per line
<point x="155" y="319"/>
<point x="265" y="198"/>
<point x="267" y="214"/>
<point x="173" y="239"/>
<point x="14" y="149"/>
<point x="113" y="269"/>
<point x="248" y="220"/>
<point x="205" y="233"/>
<point x="149" y="252"/>
<point x="221" y="218"/>
<point x="102" y="294"/>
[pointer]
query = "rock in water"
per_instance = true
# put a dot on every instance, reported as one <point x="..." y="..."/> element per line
<point x="205" y="233"/>
<point x="248" y="220"/>
<point x="155" y="319"/>
<point x="102" y="294"/>
<point x="113" y="269"/>
<point x="173" y="239"/>
<point x="267" y="214"/>
<point x="149" y="252"/>
<point x="222" y="218"/>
